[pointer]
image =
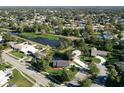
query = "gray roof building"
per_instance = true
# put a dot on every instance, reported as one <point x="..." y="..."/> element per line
<point x="95" y="52"/>
<point x="60" y="63"/>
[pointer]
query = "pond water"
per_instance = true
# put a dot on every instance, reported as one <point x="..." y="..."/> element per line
<point x="44" y="41"/>
<point x="15" y="32"/>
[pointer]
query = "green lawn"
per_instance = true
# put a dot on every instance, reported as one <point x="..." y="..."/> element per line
<point x="17" y="54"/>
<point x="96" y="60"/>
<point x="86" y="59"/>
<point x="3" y="66"/>
<point x="33" y="35"/>
<point x="58" y="72"/>
<point x="19" y="80"/>
<point x="90" y="59"/>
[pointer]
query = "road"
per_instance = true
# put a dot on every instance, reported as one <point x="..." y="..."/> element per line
<point x="40" y="79"/>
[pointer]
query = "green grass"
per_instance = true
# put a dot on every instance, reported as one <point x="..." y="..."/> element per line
<point x="96" y="60"/>
<point x="17" y="54"/>
<point x="33" y="35"/>
<point x="58" y="72"/>
<point x="89" y="59"/>
<point x="19" y="80"/>
<point x="86" y="59"/>
<point x="3" y="66"/>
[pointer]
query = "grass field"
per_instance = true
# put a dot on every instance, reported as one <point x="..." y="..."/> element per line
<point x="17" y="54"/>
<point x="58" y="72"/>
<point x="19" y="80"/>
<point x="33" y="35"/>
<point x="96" y="60"/>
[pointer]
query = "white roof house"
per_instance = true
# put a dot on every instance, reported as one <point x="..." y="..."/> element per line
<point x="3" y="78"/>
<point x="28" y="49"/>
<point x="76" y="53"/>
<point x="76" y="58"/>
<point x="1" y="39"/>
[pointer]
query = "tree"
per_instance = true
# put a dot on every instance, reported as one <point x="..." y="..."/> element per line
<point x="112" y="78"/>
<point x="44" y="64"/>
<point x="8" y="38"/>
<point x="120" y="27"/>
<point x="86" y="83"/>
<point x="108" y="45"/>
<point x="119" y="35"/>
<point x="89" y="25"/>
<point x="67" y="75"/>
<point x="40" y="65"/>
<point x="94" y="71"/>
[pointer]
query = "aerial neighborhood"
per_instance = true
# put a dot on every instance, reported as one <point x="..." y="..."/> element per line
<point x="62" y="47"/>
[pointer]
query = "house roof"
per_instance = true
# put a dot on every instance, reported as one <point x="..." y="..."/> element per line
<point x="3" y="78"/>
<point x="1" y="39"/>
<point x="17" y="46"/>
<point x="76" y="53"/>
<point x="95" y="52"/>
<point x="28" y="48"/>
<point x="60" y="63"/>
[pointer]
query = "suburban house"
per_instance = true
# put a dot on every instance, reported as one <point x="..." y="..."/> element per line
<point x="76" y="59"/>
<point x="25" y="47"/>
<point x="76" y="53"/>
<point x="1" y="38"/>
<point x="4" y="77"/>
<point x="61" y="63"/>
<point x="95" y="52"/>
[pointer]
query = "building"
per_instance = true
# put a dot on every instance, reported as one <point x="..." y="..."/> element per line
<point x="1" y="38"/>
<point x="4" y="77"/>
<point x="60" y="63"/>
<point x="95" y="52"/>
<point x="26" y="48"/>
<point x="76" y="59"/>
<point x="76" y="53"/>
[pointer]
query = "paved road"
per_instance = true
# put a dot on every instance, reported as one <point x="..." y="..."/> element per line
<point x="40" y="79"/>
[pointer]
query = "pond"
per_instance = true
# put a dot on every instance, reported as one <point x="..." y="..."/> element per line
<point x="15" y="32"/>
<point x="44" y="41"/>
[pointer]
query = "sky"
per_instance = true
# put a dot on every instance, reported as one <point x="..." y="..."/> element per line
<point x="61" y="2"/>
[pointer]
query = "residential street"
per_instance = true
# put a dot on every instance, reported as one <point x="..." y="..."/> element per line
<point x="40" y="79"/>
